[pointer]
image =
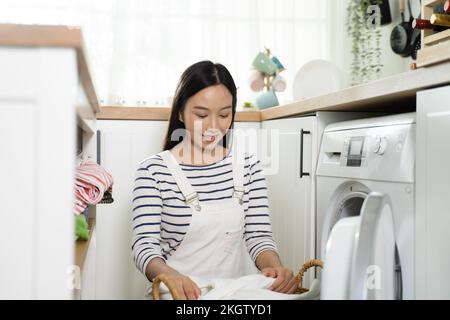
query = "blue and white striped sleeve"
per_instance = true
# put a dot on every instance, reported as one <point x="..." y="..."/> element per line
<point x="258" y="230"/>
<point x="146" y="224"/>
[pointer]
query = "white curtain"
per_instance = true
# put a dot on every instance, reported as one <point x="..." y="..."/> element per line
<point x="139" y="48"/>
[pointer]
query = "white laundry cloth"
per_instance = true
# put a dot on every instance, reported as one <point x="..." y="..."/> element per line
<point x="251" y="287"/>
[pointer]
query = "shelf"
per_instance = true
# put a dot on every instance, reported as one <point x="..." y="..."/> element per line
<point x="82" y="246"/>
<point x="430" y="3"/>
<point x="433" y="54"/>
<point x="435" y="45"/>
<point x="85" y="124"/>
<point x="86" y="119"/>
<point x="437" y="37"/>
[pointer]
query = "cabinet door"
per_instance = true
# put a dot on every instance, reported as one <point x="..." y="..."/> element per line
<point x="432" y="194"/>
<point x="37" y="151"/>
<point x="290" y="194"/>
<point x="123" y="144"/>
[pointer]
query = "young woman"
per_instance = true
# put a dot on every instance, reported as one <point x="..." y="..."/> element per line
<point x="195" y="205"/>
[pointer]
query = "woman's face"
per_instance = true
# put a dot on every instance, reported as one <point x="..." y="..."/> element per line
<point x="207" y="116"/>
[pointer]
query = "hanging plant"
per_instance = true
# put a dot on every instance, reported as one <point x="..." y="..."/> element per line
<point x="366" y="39"/>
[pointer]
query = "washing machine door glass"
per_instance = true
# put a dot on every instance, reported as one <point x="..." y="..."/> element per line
<point x="376" y="272"/>
<point x="349" y="205"/>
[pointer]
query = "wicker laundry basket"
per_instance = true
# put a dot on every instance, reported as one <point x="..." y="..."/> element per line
<point x="156" y="293"/>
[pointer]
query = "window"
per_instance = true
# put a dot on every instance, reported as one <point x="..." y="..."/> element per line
<point x="139" y="48"/>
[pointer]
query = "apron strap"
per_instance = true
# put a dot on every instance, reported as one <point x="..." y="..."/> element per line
<point x="189" y="194"/>
<point x="238" y="175"/>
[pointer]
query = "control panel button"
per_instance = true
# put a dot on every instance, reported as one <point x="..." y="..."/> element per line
<point x="376" y="144"/>
<point x="380" y="145"/>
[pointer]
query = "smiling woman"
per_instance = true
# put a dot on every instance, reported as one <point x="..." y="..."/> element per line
<point x="200" y="206"/>
<point x="203" y="108"/>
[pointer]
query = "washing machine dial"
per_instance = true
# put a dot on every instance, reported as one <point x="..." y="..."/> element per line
<point x="380" y="145"/>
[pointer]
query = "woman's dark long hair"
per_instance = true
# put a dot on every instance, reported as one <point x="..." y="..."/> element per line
<point x="197" y="77"/>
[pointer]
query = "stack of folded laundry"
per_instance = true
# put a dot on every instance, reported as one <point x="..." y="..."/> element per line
<point x="93" y="184"/>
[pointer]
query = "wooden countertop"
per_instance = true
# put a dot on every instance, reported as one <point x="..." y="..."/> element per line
<point x="17" y="35"/>
<point x="394" y="94"/>
<point x="158" y="113"/>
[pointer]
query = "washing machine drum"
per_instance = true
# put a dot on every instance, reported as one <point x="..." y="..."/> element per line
<point x="360" y="255"/>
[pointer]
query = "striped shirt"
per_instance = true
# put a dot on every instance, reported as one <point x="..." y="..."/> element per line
<point x="161" y="217"/>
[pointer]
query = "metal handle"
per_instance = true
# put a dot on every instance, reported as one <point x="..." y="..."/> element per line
<point x="99" y="139"/>
<point x="302" y="133"/>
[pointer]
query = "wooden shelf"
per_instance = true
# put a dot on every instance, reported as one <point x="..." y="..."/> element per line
<point x="430" y="3"/>
<point x="435" y="45"/>
<point x="437" y="37"/>
<point x="82" y="246"/>
<point x="86" y="124"/>
<point x="433" y="54"/>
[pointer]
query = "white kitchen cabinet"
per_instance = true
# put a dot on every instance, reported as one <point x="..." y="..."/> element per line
<point x="432" y="194"/>
<point x="123" y="144"/>
<point x="292" y="195"/>
<point x="289" y="194"/>
<point x="39" y="94"/>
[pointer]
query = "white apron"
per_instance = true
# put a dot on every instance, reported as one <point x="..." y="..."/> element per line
<point x="213" y="246"/>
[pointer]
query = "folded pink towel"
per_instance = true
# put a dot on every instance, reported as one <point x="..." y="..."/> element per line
<point x="91" y="182"/>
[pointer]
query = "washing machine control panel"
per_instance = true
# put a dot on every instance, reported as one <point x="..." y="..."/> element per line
<point x="357" y="149"/>
<point x="354" y="153"/>
<point x="383" y="151"/>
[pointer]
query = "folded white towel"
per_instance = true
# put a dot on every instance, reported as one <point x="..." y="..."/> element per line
<point x="251" y="287"/>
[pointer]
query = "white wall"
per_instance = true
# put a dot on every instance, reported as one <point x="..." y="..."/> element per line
<point x="340" y="42"/>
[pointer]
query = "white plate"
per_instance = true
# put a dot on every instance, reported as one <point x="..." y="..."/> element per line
<point x="315" y="78"/>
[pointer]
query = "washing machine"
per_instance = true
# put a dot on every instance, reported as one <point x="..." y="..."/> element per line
<point x="365" y="208"/>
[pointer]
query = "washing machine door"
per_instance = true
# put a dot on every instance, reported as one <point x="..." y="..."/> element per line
<point x="376" y="272"/>
<point x="348" y="203"/>
<point x="361" y="260"/>
<point x="337" y="269"/>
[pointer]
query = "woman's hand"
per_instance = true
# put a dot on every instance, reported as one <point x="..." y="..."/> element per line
<point x="187" y="288"/>
<point x="285" y="280"/>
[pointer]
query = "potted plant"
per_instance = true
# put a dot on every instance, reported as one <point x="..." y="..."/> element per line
<point x="365" y="33"/>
